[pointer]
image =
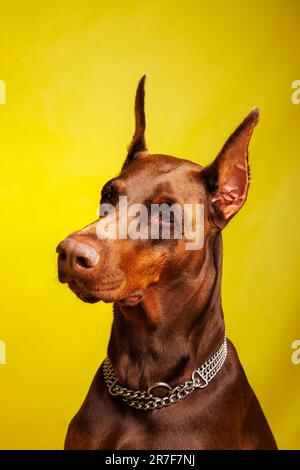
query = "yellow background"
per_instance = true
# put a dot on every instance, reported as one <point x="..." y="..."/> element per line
<point x="71" y="70"/>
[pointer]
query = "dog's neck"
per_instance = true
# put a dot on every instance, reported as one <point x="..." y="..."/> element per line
<point x="178" y="325"/>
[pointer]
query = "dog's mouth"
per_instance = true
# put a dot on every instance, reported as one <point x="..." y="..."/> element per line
<point x="132" y="300"/>
<point x="96" y="294"/>
<point x="89" y="299"/>
<point x="107" y="294"/>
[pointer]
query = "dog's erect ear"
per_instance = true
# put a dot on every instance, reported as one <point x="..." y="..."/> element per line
<point x="227" y="178"/>
<point x="138" y="143"/>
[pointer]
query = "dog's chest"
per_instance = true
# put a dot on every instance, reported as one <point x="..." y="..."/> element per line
<point x="183" y="426"/>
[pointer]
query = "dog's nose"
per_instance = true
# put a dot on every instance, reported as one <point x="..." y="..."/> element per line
<point x="80" y="255"/>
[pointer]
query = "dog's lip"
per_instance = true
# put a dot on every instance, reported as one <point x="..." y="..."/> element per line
<point x="132" y="299"/>
<point x="90" y="299"/>
<point x="96" y="294"/>
<point x="106" y="294"/>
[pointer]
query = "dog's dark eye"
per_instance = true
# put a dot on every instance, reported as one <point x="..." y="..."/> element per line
<point x="167" y="216"/>
<point x="108" y="194"/>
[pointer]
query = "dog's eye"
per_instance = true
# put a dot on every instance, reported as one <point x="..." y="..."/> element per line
<point x="108" y="194"/>
<point x="166" y="216"/>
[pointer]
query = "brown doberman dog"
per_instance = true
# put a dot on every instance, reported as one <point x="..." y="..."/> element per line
<point x="167" y="339"/>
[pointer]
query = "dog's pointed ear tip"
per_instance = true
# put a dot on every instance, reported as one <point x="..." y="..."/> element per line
<point x="143" y="79"/>
<point x="254" y="115"/>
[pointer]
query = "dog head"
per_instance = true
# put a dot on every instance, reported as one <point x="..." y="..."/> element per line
<point x="118" y="257"/>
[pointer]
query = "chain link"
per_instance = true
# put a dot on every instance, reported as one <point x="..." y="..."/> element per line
<point x="145" y="400"/>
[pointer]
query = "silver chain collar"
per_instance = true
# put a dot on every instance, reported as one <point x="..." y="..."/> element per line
<point x="145" y="400"/>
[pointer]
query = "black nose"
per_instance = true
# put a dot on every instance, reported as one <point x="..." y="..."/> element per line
<point x="78" y="254"/>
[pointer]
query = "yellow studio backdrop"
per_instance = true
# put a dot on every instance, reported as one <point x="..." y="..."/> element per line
<point x="70" y="71"/>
